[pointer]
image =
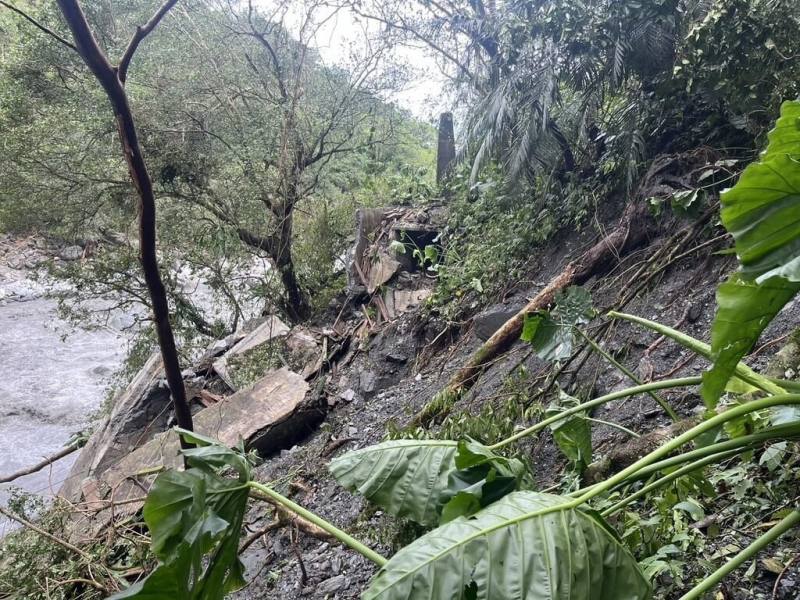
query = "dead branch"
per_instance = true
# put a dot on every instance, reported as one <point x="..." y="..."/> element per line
<point x="631" y="229"/>
<point x="46" y="534"/>
<point x="271" y="526"/>
<point x="288" y="518"/>
<point x="40" y="465"/>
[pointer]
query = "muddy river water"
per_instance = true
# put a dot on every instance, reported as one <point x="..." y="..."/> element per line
<point x="49" y="385"/>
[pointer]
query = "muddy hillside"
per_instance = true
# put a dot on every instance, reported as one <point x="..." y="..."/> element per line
<point x="376" y="365"/>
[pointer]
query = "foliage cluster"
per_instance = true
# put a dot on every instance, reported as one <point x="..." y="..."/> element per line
<point x="241" y="121"/>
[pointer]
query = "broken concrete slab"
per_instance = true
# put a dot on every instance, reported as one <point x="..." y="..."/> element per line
<point x="305" y="354"/>
<point x="401" y="301"/>
<point x="270" y="329"/>
<point x="368" y="221"/>
<point x="381" y="269"/>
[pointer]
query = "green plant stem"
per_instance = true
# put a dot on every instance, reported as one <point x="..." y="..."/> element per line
<point x="309" y="516"/>
<point x="632" y="391"/>
<point x="662" y="481"/>
<point x="596" y="347"/>
<point x="742" y="444"/>
<point x="666" y="449"/>
<point x="622" y="428"/>
<point x="688" y="436"/>
<point x="786" y="384"/>
<point x="742" y="372"/>
<point x="791" y="520"/>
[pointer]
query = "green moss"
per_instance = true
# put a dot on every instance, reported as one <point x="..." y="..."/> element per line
<point x="248" y="367"/>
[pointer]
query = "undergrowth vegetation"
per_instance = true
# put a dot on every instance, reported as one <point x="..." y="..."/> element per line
<point x="661" y="525"/>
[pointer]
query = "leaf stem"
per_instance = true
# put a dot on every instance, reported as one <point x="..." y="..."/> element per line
<point x="622" y="428"/>
<point x="662" y="481"/>
<point x="340" y="535"/>
<point x="742" y="371"/>
<point x="746" y="442"/>
<point x="631" y="391"/>
<point x="596" y="347"/>
<point x="784" y="525"/>
<point x="674" y="444"/>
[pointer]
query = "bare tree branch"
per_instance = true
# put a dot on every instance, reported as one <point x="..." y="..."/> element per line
<point x="107" y="76"/>
<point x="141" y="32"/>
<point x="36" y="23"/>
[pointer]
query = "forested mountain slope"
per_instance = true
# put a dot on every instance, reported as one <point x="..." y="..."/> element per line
<point x="566" y="369"/>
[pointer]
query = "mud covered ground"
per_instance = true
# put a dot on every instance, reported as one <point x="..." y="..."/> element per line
<point x="399" y="371"/>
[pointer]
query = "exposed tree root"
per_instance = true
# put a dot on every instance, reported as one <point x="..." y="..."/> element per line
<point x="284" y="518"/>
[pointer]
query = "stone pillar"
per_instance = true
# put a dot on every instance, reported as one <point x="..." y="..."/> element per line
<point x="446" y="151"/>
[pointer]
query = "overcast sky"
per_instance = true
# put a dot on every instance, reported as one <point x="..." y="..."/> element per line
<point x="423" y="96"/>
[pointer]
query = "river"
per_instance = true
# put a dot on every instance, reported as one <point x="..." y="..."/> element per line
<point x="49" y="385"/>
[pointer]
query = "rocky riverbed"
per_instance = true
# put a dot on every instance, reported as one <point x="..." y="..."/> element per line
<point x="54" y="376"/>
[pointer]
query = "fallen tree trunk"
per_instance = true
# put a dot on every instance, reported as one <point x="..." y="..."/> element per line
<point x="630" y="231"/>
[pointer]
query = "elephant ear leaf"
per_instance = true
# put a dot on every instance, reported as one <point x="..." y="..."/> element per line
<point x="195" y="518"/>
<point x="525" y="545"/>
<point x="551" y="333"/>
<point x="482" y="477"/>
<point x="762" y="213"/>
<point x="404" y="477"/>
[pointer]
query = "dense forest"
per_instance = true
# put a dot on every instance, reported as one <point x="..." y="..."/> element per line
<point x="436" y="299"/>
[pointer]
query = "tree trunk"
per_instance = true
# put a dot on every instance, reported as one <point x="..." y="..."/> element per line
<point x="296" y="302"/>
<point x="446" y="148"/>
<point x="109" y="77"/>
<point x="629" y="232"/>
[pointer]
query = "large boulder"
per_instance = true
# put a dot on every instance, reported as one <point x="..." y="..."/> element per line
<point x="138" y="412"/>
<point x="271" y="414"/>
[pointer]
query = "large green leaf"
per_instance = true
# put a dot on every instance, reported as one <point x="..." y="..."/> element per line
<point x="551" y="333"/>
<point x="526" y="545"/>
<point x="762" y="212"/>
<point x="744" y="309"/>
<point x="572" y="435"/>
<point x="482" y="477"/>
<point x="404" y="477"/>
<point x="195" y="519"/>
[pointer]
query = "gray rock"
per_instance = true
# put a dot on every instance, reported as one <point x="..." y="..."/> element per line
<point x="71" y="253"/>
<point x="332" y="585"/>
<point x="492" y="319"/>
<point x="396" y="357"/>
<point x="336" y="565"/>
<point x="367" y="380"/>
